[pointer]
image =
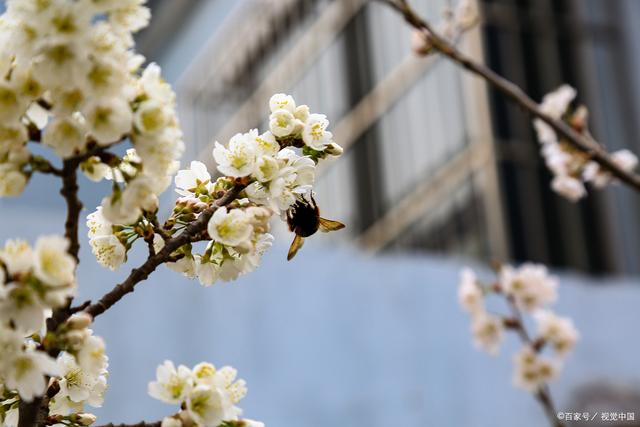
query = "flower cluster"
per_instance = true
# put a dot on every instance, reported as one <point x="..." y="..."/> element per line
<point x="239" y="236"/>
<point x="207" y="396"/>
<point x="455" y="22"/>
<point x="72" y="81"/>
<point x="108" y="243"/>
<point x="572" y="168"/>
<point x="528" y="289"/>
<point x="78" y="387"/>
<point x="33" y="281"/>
<point x="276" y="177"/>
<point x="276" y="169"/>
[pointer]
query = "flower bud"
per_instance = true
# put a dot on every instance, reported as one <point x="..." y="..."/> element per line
<point x="185" y="417"/>
<point x="79" y="320"/>
<point x="85" y="419"/>
<point x="334" y="149"/>
<point x="421" y="43"/>
<point x="171" y="422"/>
<point x="76" y="337"/>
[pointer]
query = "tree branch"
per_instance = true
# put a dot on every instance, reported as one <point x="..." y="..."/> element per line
<point x="516" y="94"/>
<point x="70" y="193"/>
<point x="141" y="273"/>
<point x="29" y="412"/>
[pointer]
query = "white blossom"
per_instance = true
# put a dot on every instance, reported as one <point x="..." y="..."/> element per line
<point x="66" y="136"/>
<point x="190" y="180"/>
<point x="152" y="84"/>
<point x="108" y="119"/>
<point x="569" y="187"/>
<point x="532" y="371"/>
<point x="206" y="271"/>
<point x="21" y="305"/>
<point x="97" y="224"/>
<point x="315" y="134"/>
<point x="558" y="331"/>
<point x="151" y="117"/>
<point x="530" y="285"/>
<point x="139" y="194"/>
<point x="171" y="422"/>
<point x="267" y="168"/>
<point x="488" y="332"/>
<point x="53" y="265"/>
<point x="238" y="159"/>
<point x="466" y="14"/>
<point x="17" y="256"/>
<point x="470" y="294"/>
<point x="172" y="385"/>
<point x="210" y="406"/>
<point x="77" y="387"/>
<point x="281" y="101"/>
<point x="12" y="106"/>
<point x="106" y="77"/>
<point x="283" y="123"/>
<point x="160" y="152"/>
<point x="185" y="265"/>
<point x="265" y="143"/>
<point x="26" y="370"/>
<point x="12" y="181"/>
<point x="595" y="174"/>
<point x="204" y="373"/>
<point x="109" y="251"/>
<point x="230" y="227"/>
<point x="555" y="103"/>
<point x="91" y="355"/>
<point x="11" y="135"/>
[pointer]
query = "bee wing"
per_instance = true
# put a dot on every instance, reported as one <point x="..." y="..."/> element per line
<point x="327" y="225"/>
<point x="297" y="243"/>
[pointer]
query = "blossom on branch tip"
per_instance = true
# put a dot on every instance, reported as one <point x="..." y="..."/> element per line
<point x="172" y="385"/>
<point x="530" y="285"/>
<point x="532" y="371"/>
<point x="558" y="331"/>
<point x="315" y="134"/>
<point x="528" y="288"/>
<point x="207" y="395"/>
<point x="571" y="167"/>
<point x="238" y="159"/>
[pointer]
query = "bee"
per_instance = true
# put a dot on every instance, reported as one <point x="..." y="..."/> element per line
<point x="304" y="220"/>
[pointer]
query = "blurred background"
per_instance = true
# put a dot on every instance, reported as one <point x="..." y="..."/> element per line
<point x="438" y="172"/>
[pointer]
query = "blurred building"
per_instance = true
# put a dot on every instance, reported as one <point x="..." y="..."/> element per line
<point x="432" y="160"/>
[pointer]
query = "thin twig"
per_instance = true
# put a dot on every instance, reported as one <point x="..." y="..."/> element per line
<point x="153" y="219"/>
<point x="141" y="273"/>
<point x="594" y="150"/>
